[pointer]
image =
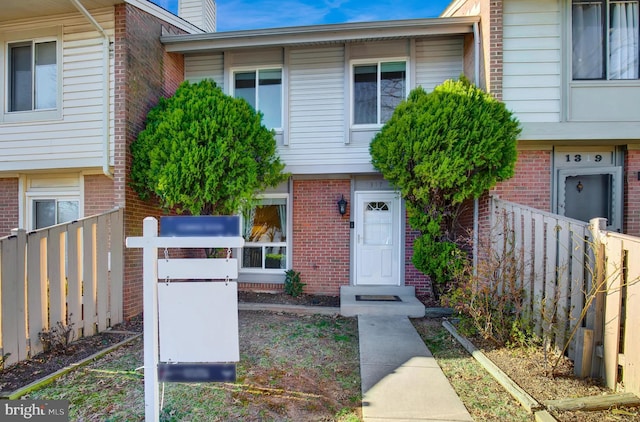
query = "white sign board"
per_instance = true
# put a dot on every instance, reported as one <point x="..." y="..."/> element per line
<point x="198" y="322"/>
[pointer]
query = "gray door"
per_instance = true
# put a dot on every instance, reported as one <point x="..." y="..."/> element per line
<point x="591" y="193"/>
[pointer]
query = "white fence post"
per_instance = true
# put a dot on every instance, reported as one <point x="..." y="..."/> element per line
<point x="150" y="306"/>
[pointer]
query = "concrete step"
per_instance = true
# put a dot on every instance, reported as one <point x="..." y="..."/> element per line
<point x="407" y="305"/>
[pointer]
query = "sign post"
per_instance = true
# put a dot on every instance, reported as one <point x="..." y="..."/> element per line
<point x="198" y="321"/>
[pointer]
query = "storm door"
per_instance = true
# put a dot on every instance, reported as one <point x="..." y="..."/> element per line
<point x="589" y="193"/>
<point x="377" y="237"/>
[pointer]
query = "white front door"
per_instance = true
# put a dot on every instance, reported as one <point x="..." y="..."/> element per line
<point x="377" y="250"/>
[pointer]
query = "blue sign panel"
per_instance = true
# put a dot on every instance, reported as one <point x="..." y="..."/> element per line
<point x="200" y="225"/>
<point x="197" y="372"/>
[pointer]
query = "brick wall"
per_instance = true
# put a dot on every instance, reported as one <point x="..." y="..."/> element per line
<point x="263" y="287"/>
<point x="8" y="205"/>
<point x="143" y="73"/>
<point x="413" y="277"/>
<point x="631" y="193"/>
<point x="98" y="194"/>
<point x="531" y="183"/>
<point x="495" y="48"/>
<point x="321" y="235"/>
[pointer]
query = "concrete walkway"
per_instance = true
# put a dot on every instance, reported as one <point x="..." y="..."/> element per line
<point x="401" y="381"/>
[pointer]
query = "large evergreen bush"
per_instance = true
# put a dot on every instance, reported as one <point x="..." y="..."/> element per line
<point x="439" y="149"/>
<point x="204" y="152"/>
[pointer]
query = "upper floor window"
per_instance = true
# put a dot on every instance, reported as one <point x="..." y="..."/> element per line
<point x="605" y="36"/>
<point x="377" y="89"/>
<point x="262" y="89"/>
<point x="33" y="76"/>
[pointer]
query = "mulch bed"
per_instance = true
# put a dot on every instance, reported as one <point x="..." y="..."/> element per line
<point x="25" y="372"/>
<point x="285" y="299"/>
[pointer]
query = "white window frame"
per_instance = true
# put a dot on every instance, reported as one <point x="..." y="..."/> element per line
<point x="52" y="196"/>
<point x="34" y="37"/>
<point x="60" y="187"/>
<point x="606" y="49"/>
<point x="377" y="62"/>
<point x="287" y="244"/>
<point x="257" y="69"/>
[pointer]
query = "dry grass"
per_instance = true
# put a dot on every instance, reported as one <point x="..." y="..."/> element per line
<point x="292" y="368"/>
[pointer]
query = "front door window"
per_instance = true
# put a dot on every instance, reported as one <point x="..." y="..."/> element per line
<point x="377" y="223"/>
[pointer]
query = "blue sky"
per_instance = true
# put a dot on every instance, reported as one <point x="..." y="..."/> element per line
<point x="254" y="14"/>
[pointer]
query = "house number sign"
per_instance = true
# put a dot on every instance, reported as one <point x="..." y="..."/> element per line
<point x="584" y="158"/>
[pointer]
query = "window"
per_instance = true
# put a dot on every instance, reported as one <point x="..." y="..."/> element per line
<point x="51" y="199"/>
<point x="263" y="90"/>
<point x="265" y="235"/>
<point x="377" y="89"/>
<point x="605" y="36"/>
<point x="33" y="76"/>
<point x="49" y="212"/>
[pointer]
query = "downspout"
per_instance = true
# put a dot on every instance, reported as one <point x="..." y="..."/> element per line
<point x="476" y="203"/>
<point x="106" y="88"/>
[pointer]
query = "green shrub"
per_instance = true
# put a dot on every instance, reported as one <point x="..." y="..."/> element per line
<point x="440" y="149"/>
<point x="204" y="152"/>
<point x="292" y="284"/>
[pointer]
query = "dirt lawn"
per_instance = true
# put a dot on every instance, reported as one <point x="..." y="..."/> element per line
<point x="292" y="368"/>
<point x="304" y="368"/>
<point x="529" y="368"/>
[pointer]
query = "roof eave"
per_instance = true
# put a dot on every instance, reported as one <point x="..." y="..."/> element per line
<point x="319" y="34"/>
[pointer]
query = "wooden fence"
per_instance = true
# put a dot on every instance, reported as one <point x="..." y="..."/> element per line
<point x="581" y="288"/>
<point x="68" y="275"/>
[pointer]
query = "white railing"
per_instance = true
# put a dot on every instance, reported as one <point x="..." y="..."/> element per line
<point x="68" y="275"/>
<point x="581" y="287"/>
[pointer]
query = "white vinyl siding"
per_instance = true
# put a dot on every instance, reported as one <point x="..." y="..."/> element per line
<point x="205" y="66"/>
<point x="317" y="110"/>
<point x="438" y="59"/>
<point x="201" y="13"/>
<point x="532" y="59"/>
<point x="75" y="139"/>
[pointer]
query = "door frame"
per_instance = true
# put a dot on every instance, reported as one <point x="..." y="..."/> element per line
<point x="616" y="204"/>
<point x="397" y="224"/>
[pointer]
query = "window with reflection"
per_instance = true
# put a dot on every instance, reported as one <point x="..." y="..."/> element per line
<point x="378" y="88"/>
<point x="606" y="39"/>
<point x="262" y="89"/>
<point x="49" y="212"/>
<point x="33" y="76"/>
<point x="265" y="235"/>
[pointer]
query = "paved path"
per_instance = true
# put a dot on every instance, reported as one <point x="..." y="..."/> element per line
<point x="401" y="381"/>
